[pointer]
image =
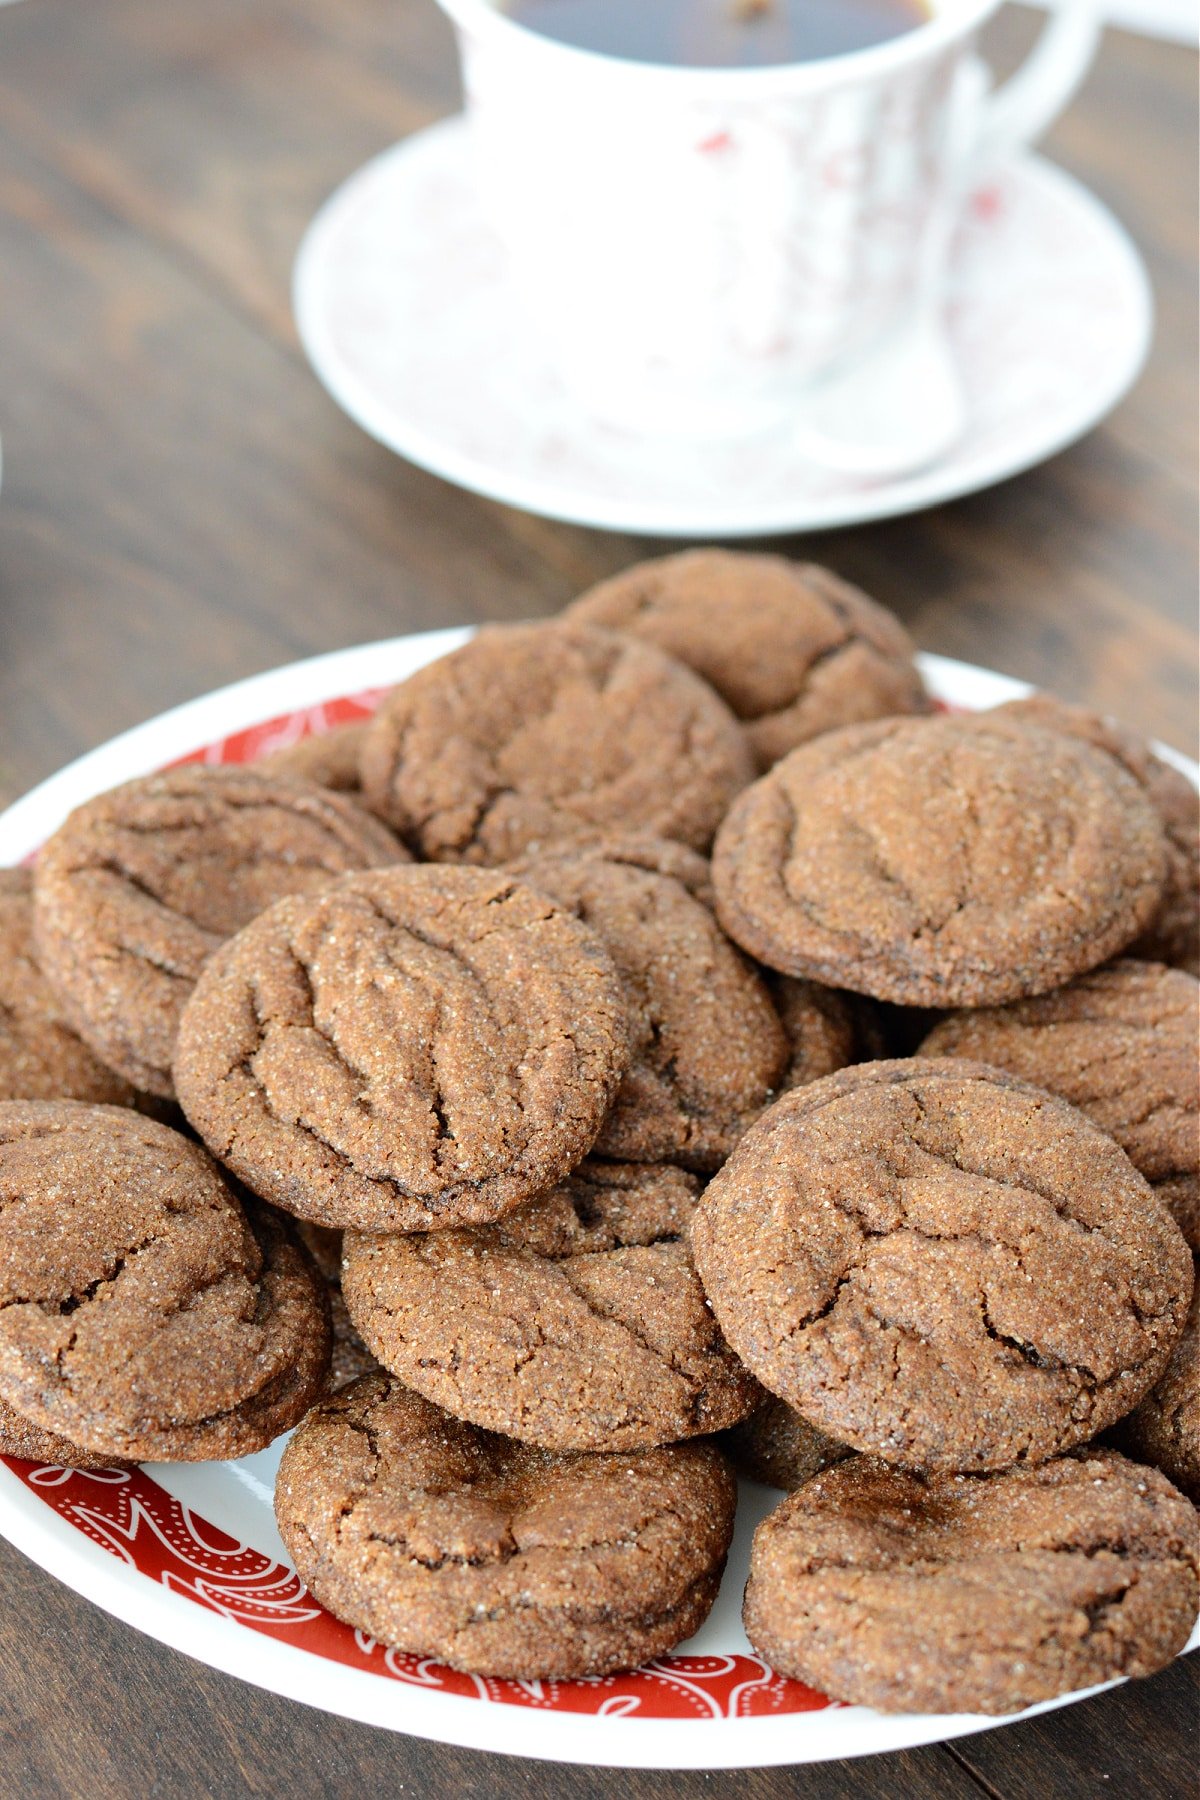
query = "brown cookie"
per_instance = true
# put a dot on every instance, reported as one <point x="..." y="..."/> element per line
<point x="937" y="1263"/>
<point x="793" y="649"/>
<point x="143" y="1313"/>
<point x="940" y="862"/>
<point x="779" y="1448"/>
<point x="706" y="1046"/>
<point x="1164" y="1428"/>
<point x="661" y="856"/>
<point x="134" y="893"/>
<point x="412" y="1048"/>
<point x="20" y="1437"/>
<point x="820" y="1026"/>
<point x="350" y="1356"/>
<point x="1173" y="935"/>
<point x="41" y="1058"/>
<point x="448" y="1542"/>
<point x="577" y="1323"/>
<point x="1121" y="1044"/>
<point x="974" y="1593"/>
<point x="330" y="758"/>
<point x="532" y="734"/>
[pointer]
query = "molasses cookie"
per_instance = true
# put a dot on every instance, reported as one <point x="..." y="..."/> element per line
<point x="41" y="1058"/>
<point x="412" y="1048"/>
<point x="330" y="758"/>
<point x="938" y="1263"/>
<point x="974" y="1593"/>
<point x="706" y="1045"/>
<point x="577" y="1323"/>
<point x="1121" y="1044"/>
<point x="1164" y="1428"/>
<point x="779" y="1448"/>
<point x="143" y="1313"/>
<point x="530" y="734"/>
<point x="19" y="1437"/>
<point x="137" y="889"/>
<point x="1173" y="935"/>
<point x="820" y="1027"/>
<point x="350" y="1357"/>
<point x="493" y="1557"/>
<point x="792" y="649"/>
<point x="940" y="862"/>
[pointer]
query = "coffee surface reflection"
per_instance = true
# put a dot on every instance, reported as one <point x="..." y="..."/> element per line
<point x="720" y="34"/>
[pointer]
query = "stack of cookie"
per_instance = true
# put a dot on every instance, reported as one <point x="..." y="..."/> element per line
<point x="574" y="1136"/>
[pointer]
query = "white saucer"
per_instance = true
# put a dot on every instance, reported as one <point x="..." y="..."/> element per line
<point x="403" y="308"/>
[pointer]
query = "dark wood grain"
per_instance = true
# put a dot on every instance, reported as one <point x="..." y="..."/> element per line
<point x="182" y="505"/>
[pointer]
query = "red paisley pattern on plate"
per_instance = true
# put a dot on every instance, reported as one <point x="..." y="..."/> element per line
<point x="133" y="1518"/>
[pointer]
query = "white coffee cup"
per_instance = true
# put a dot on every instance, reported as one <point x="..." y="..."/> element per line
<point x="695" y="244"/>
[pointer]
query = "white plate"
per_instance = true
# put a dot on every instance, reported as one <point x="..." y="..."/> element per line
<point x="189" y="1553"/>
<point x="403" y="309"/>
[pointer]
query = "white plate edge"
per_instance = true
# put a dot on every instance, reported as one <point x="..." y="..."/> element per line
<point x="297" y="1674"/>
<point x="575" y="506"/>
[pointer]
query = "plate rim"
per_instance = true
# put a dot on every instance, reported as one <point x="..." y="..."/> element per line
<point x="297" y="1674"/>
<point x="574" y="505"/>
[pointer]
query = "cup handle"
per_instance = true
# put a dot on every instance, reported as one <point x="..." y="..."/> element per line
<point x="1032" y="99"/>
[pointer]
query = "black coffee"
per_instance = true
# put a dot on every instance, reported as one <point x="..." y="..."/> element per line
<point x="720" y="34"/>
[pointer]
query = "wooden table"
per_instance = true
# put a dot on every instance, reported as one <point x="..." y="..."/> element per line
<point x="182" y="505"/>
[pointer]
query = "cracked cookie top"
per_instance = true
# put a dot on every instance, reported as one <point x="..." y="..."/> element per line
<point x="41" y="1058"/>
<point x="706" y="1045"/>
<point x="145" y="1314"/>
<point x="577" y="1323"/>
<point x="974" y="1593"/>
<point x="793" y="649"/>
<point x="1119" y="1043"/>
<point x="940" y="862"/>
<point x="1173" y="935"/>
<point x="140" y="885"/>
<point x="446" y="1541"/>
<point x="531" y="734"/>
<point x="413" y="1048"/>
<point x="936" y="1262"/>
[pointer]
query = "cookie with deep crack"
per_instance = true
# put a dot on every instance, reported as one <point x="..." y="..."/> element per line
<point x="937" y="1263"/>
<point x="940" y="862"/>
<point x="41" y="1058"/>
<point x="1164" y="1428"/>
<point x="144" y="1313"/>
<point x="707" y="1049"/>
<point x="137" y="889"/>
<point x="776" y="1446"/>
<point x="1173" y="935"/>
<point x="792" y="648"/>
<point x="974" y="1593"/>
<point x="577" y="1323"/>
<point x="494" y="1557"/>
<point x="531" y="734"/>
<point x="1120" y="1043"/>
<point x="414" y="1048"/>
<point x="330" y="758"/>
